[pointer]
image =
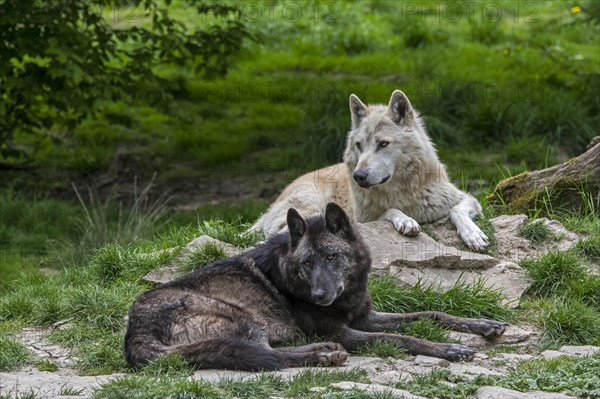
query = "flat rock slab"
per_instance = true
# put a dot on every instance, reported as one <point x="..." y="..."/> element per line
<point x="422" y="259"/>
<point x="49" y="385"/>
<point x="503" y="393"/>
<point x="514" y="335"/>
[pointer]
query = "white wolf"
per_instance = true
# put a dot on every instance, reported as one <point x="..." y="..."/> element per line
<point x="391" y="171"/>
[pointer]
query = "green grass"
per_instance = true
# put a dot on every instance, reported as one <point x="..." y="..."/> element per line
<point x="536" y="232"/>
<point x="203" y="256"/>
<point x="46" y="365"/>
<point x="12" y="353"/>
<point x="575" y="376"/>
<point x="467" y="300"/>
<point x="554" y="273"/>
<point x="173" y="384"/>
<point x="431" y="385"/>
<point x="383" y="349"/>
<point x="567" y="321"/>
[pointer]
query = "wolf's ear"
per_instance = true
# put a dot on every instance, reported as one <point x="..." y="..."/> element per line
<point x="337" y="222"/>
<point x="358" y="110"/>
<point x="399" y="109"/>
<point x="296" y="225"/>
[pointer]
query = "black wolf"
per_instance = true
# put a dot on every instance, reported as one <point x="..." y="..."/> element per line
<point x="309" y="281"/>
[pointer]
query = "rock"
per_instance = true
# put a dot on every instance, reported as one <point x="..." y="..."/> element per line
<point x="488" y="392"/>
<point x="585" y="350"/>
<point x="317" y="389"/>
<point x="170" y="271"/>
<point x="421" y="258"/>
<point x="514" y="335"/>
<point x="374" y="389"/>
<point x="470" y="371"/>
<point x="550" y="354"/>
<point x="515" y="357"/>
<point x="563" y="183"/>
<point x="431" y="361"/>
<point x="48" y="385"/>
<point x="510" y="246"/>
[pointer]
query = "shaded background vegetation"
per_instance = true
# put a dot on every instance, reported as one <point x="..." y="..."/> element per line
<point x="220" y="104"/>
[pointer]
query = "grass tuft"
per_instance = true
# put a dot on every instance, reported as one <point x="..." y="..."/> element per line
<point x="208" y="253"/>
<point x="567" y="321"/>
<point x="427" y="329"/>
<point x="12" y="353"/>
<point x="553" y="273"/>
<point x="235" y="232"/>
<point x="536" y="232"/>
<point x="462" y="299"/>
<point x="46" y="365"/>
<point x="383" y="349"/>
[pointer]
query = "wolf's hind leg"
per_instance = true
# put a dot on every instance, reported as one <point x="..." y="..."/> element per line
<point x="462" y="216"/>
<point x="402" y="222"/>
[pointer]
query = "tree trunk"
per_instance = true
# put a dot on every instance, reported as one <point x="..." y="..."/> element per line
<point x="570" y="186"/>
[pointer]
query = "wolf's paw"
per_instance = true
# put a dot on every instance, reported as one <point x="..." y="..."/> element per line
<point x="407" y="226"/>
<point x="456" y="352"/>
<point x="487" y="328"/>
<point x="332" y="346"/>
<point x="475" y="239"/>
<point x="333" y="358"/>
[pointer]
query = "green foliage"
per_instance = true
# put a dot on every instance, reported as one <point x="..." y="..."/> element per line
<point x="12" y="353"/>
<point x="553" y="273"/>
<point x="236" y="232"/>
<point x="536" y="232"/>
<point x="46" y="365"/>
<point x="208" y="253"/>
<point x="168" y="366"/>
<point x="567" y="321"/>
<point x="427" y="329"/>
<point x="55" y="82"/>
<point x="432" y="385"/>
<point x="176" y="385"/>
<point x="383" y="349"/>
<point x="462" y="299"/>
<point x="574" y="376"/>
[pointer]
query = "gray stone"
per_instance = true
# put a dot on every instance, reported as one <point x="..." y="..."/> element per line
<point x="511" y="246"/>
<point x="515" y="357"/>
<point x="514" y="335"/>
<point x="421" y="258"/>
<point x="580" y="350"/>
<point x="431" y="361"/>
<point x="469" y="370"/>
<point x="375" y="389"/>
<point x="47" y="385"/>
<point x="488" y="392"/>
<point x="550" y="354"/>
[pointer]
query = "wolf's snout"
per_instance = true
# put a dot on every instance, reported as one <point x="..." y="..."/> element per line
<point x="318" y="295"/>
<point x="360" y="176"/>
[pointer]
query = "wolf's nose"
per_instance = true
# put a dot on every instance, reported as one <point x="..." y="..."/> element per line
<point x="318" y="294"/>
<point x="360" y="176"/>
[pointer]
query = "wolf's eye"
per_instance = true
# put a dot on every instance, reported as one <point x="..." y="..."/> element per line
<point x="383" y="144"/>
<point x="306" y="263"/>
<point x="330" y="257"/>
<point x="358" y="146"/>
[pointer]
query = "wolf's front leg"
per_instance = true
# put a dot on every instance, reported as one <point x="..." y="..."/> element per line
<point x="462" y="216"/>
<point x="354" y="340"/>
<point x="318" y="354"/>
<point x="402" y="222"/>
<point x="378" y="321"/>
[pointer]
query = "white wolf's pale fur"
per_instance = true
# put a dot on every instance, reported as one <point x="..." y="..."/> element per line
<point x="401" y="178"/>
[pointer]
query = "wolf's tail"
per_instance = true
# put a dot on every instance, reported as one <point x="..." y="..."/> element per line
<point x="218" y="353"/>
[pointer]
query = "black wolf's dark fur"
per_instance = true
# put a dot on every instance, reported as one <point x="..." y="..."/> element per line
<point x="310" y="281"/>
